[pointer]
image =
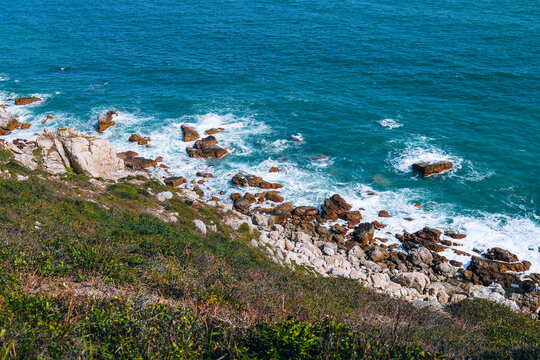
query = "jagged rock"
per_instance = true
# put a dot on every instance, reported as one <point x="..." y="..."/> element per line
<point x="364" y="233"/>
<point x="26" y="100"/>
<point x="174" y="181"/>
<point x="90" y="155"/>
<point x="213" y="131"/>
<point x="429" y="238"/>
<point x="274" y="197"/>
<point x="334" y="206"/>
<point x="206" y="148"/>
<point x="420" y="256"/>
<point x="7" y="122"/>
<point x="274" y="169"/>
<point x="499" y="254"/>
<point x="259" y="219"/>
<point x="105" y="120"/>
<point x="353" y="217"/>
<point x="25" y="126"/>
<point x="338" y="229"/>
<point x="415" y="280"/>
<point x="454" y="235"/>
<point x="384" y="213"/>
<point x="190" y="134"/>
<point x="303" y="211"/>
<point x="246" y="180"/>
<point x="485" y="271"/>
<point x="242" y="205"/>
<point x="427" y="169"/>
<point x="139" y="139"/>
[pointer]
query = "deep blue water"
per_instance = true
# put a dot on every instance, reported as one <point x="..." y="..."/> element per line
<point x="460" y="80"/>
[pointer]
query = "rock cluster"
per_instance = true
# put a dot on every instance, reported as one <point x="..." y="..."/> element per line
<point x="139" y="139"/>
<point x="206" y="148"/>
<point x="245" y="180"/>
<point x="7" y="122"/>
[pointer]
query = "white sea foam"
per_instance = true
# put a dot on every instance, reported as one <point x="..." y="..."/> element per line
<point x="401" y="160"/>
<point x="312" y="183"/>
<point x="390" y="123"/>
<point x="4" y="77"/>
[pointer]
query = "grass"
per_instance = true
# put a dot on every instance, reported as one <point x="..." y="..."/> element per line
<point x="88" y="272"/>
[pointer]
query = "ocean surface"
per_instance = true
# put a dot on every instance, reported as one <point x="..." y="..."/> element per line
<point x="371" y="87"/>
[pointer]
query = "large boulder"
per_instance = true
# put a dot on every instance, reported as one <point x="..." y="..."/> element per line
<point x="426" y="169"/>
<point x="105" y="120"/>
<point x="420" y="255"/>
<point x="334" y="206"/>
<point x="90" y="155"/>
<point x="427" y="237"/>
<point x="246" y="180"/>
<point x="190" y="134"/>
<point x="415" y="280"/>
<point x="26" y="100"/>
<point x="364" y="233"/>
<point x="500" y="254"/>
<point x="486" y="271"/>
<point x="7" y="122"/>
<point x="305" y="211"/>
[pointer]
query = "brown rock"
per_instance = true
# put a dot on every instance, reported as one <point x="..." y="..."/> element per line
<point x="213" y="131"/>
<point x="378" y="225"/>
<point x="159" y="159"/>
<point x="105" y="120"/>
<point x="235" y="196"/>
<point x="334" y="206"/>
<point x="190" y="134"/>
<point x="338" y="229"/>
<point x="139" y="139"/>
<point x="486" y="271"/>
<point x="363" y="233"/>
<point x="427" y="169"/>
<point x="140" y="163"/>
<point x="499" y="254"/>
<point x="384" y="213"/>
<point x="26" y="100"/>
<point x="206" y="148"/>
<point x="127" y="154"/>
<point x="25" y="126"/>
<point x="454" y="235"/>
<point x="274" y="197"/>
<point x="303" y="211"/>
<point x="242" y="205"/>
<point x="246" y="180"/>
<point x="274" y="169"/>
<point x="428" y="238"/>
<point x="204" y="175"/>
<point x="174" y="181"/>
<point x="352" y="217"/>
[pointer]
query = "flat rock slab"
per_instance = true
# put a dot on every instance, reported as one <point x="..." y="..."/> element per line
<point x="427" y="169"/>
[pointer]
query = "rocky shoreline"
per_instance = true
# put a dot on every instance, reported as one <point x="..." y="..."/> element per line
<point x="331" y="238"/>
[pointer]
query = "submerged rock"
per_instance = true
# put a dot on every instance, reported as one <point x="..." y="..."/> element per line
<point x="105" y="120"/>
<point x="427" y="169"/>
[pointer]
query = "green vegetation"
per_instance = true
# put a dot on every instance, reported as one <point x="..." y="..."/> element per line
<point x="88" y="271"/>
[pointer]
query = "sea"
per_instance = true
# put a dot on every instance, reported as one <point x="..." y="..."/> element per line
<point x="342" y="96"/>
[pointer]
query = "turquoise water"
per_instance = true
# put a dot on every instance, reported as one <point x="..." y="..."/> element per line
<point x="372" y="85"/>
